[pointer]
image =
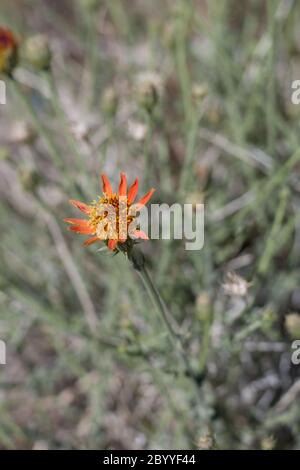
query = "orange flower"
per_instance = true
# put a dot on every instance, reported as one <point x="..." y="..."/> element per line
<point x="109" y="217"/>
<point x="8" y="50"/>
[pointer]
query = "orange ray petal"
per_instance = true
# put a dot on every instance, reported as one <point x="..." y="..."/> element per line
<point x="133" y="191"/>
<point x="80" y="205"/>
<point x="123" y="185"/>
<point x="92" y="240"/>
<point x="146" y="198"/>
<point x="141" y="234"/>
<point x="112" y="244"/>
<point x="82" y="229"/>
<point x="76" y="221"/>
<point x="107" y="189"/>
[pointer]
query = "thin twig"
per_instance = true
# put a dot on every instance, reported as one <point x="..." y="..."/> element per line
<point x="256" y="158"/>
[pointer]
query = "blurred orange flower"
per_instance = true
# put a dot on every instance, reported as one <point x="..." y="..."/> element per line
<point x="109" y="217"/>
<point x="8" y="50"/>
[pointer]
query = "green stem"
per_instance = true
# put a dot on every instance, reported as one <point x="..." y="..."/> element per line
<point x="205" y="344"/>
<point x="120" y="18"/>
<point x="271" y="77"/>
<point x="272" y="241"/>
<point x="147" y="145"/>
<point x="158" y="303"/>
<point x="182" y="69"/>
<point x="175" y="338"/>
<point x="92" y="57"/>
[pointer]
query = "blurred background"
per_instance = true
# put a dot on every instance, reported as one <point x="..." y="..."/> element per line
<point x="194" y="98"/>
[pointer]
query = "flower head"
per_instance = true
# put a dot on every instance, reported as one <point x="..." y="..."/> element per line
<point x="235" y="285"/>
<point x="112" y="217"/>
<point x="8" y="51"/>
<point x="37" y="52"/>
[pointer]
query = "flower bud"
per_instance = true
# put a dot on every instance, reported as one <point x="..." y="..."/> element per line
<point x="8" y="51"/>
<point x="147" y="95"/>
<point x="268" y="443"/>
<point x="80" y="130"/>
<point x="37" y="52"/>
<point x="22" y="133"/>
<point x="206" y="442"/>
<point x="292" y="325"/>
<point x="235" y="286"/>
<point x="137" y="130"/>
<point x="199" y="92"/>
<point x="109" y="102"/>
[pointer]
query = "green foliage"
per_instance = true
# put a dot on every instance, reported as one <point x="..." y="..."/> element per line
<point x="89" y="363"/>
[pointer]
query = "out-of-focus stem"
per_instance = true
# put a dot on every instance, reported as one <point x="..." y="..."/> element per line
<point x="205" y="344"/>
<point x="190" y="152"/>
<point x="271" y="244"/>
<point x="147" y="145"/>
<point x="120" y="17"/>
<point x="182" y="68"/>
<point x="271" y="89"/>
